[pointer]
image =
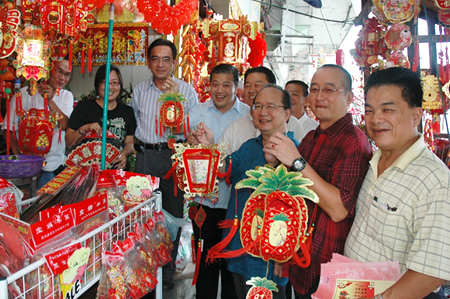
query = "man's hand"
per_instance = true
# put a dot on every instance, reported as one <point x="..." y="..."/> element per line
<point x="281" y="147"/>
<point x="202" y="134"/>
<point x="170" y="86"/>
<point x="44" y="88"/>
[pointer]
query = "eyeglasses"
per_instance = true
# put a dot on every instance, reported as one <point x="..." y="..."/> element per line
<point x="165" y="60"/>
<point x="267" y="106"/>
<point x="328" y="90"/>
<point x="60" y="72"/>
<point x="112" y="83"/>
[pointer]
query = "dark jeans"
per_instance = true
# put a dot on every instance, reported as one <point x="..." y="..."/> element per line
<point x="208" y="275"/>
<point x="242" y="288"/>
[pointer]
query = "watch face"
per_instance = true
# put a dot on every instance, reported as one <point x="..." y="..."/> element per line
<point x="298" y="165"/>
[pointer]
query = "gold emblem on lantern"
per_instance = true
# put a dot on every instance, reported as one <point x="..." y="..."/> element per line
<point x="431" y="94"/>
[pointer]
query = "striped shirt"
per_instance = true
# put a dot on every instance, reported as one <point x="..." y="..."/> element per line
<point x="146" y="109"/>
<point x="402" y="215"/>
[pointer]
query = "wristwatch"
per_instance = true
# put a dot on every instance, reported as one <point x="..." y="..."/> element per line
<point x="298" y="164"/>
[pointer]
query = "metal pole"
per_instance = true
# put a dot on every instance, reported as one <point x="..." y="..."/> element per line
<point x="108" y="70"/>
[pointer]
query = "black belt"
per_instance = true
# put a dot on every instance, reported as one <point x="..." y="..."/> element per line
<point x="156" y="146"/>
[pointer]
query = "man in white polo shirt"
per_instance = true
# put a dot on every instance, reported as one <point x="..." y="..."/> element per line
<point x="402" y="209"/>
<point x="299" y="94"/>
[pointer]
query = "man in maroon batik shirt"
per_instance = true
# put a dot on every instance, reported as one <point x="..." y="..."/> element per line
<point x="336" y="157"/>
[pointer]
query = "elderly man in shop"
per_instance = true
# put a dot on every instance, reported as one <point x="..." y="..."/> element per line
<point x="404" y="202"/>
<point x="153" y="153"/>
<point x="299" y="94"/>
<point x="243" y="129"/>
<point x="335" y="157"/>
<point x="60" y="102"/>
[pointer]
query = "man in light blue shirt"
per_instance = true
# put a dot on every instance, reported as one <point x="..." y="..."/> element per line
<point x="223" y="108"/>
<point x="153" y="153"/>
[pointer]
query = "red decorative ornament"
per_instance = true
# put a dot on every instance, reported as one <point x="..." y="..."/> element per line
<point x="258" y="50"/>
<point x="274" y="221"/>
<point x="261" y="288"/>
<point x="442" y="4"/>
<point x="164" y="18"/>
<point x="10" y="20"/>
<point x="171" y="113"/>
<point x="398" y="37"/>
<point x="340" y="57"/>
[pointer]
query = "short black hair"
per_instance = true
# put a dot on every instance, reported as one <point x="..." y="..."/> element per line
<point x="262" y="69"/>
<point x="406" y="79"/>
<point x="286" y="100"/>
<point x="300" y="83"/>
<point x="226" y="69"/>
<point x="100" y="77"/>
<point x="347" y="83"/>
<point x="162" y="42"/>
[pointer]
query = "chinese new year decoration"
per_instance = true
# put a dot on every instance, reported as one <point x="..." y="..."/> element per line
<point x="274" y="222"/>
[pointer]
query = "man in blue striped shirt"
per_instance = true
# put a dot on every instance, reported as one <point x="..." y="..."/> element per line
<point x="153" y="153"/>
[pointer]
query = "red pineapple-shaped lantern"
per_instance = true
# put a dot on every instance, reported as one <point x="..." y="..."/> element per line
<point x="171" y="113"/>
<point x="261" y="288"/>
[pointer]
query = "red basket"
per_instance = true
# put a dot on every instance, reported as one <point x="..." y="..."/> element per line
<point x="23" y="167"/>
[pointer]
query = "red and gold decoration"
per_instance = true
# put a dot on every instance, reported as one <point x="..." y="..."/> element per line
<point x="261" y="288"/>
<point x="398" y="11"/>
<point x="33" y="57"/>
<point x="228" y="41"/>
<point x="164" y="18"/>
<point x="129" y="45"/>
<point x="369" y="44"/>
<point x="9" y="30"/>
<point x="90" y="153"/>
<point x="171" y="113"/>
<point x="196" y="168"/>
<point x="274" y="223"/>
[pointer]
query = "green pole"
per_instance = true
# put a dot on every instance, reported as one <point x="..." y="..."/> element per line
<point x="105" y="98"/>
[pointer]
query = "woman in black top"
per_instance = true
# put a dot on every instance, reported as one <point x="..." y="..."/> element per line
<point x="88" y="115"/>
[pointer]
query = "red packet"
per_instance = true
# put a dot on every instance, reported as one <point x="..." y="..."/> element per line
<point x="45" y="230"/>
<point x="355" y="289"/>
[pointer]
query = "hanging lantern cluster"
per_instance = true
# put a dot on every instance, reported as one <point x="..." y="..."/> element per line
<point x="383" y="38"/>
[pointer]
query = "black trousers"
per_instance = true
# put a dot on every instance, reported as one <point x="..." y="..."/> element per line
<point x="208" y="275"/>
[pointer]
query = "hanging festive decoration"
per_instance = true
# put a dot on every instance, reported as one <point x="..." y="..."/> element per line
<point x="261" y="288"/>
<point x="197" y="169"/>
<point x="398" y="37"/>
<point x="164" y="18"/>
<point x="444" y="18"/>
<point x="369" y="43"/>
<point x="442" y="4"/>
<point x="129" y="46"/>
<point x="398" y="11"/>
<point x="258" y="50"/>
<point x="33" y="59"/>
<point x="228" y="41"/>
<point x="190" y="53"/>
<point x="274" y="221"/>
<point x="9" y="30"/>
<point x="431" y="94"/>
<point x="171" y="113"/>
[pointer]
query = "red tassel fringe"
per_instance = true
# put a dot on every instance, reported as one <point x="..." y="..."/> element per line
<point x="197" y="265"/>
<point x="82" y="59"/>
<point x="89" y="58"/>
<point x="194" y="256"/>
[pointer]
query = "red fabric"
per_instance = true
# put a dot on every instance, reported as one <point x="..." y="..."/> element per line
<point x="342" y="159"/>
